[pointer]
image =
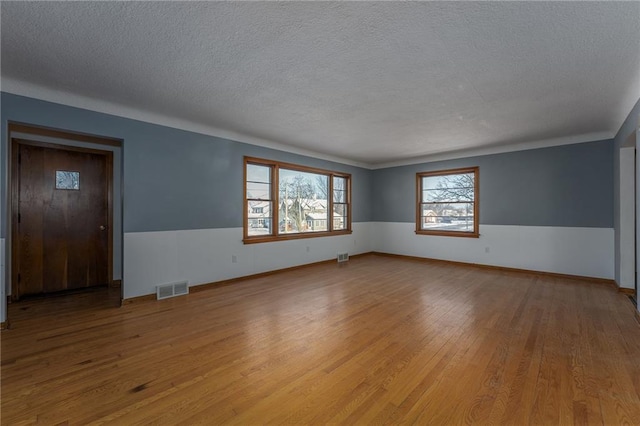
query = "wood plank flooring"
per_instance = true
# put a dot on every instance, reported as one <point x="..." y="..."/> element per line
<point x="376" y="341"/>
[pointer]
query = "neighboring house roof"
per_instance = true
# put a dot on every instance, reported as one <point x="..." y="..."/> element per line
<point x="317" y="216"/>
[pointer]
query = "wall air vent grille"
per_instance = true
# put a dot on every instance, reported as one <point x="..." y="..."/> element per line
<point x="165" y="291"/>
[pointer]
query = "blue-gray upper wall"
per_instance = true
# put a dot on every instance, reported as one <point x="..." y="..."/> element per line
<point x="173" y="179"/>
<point x="570" y="185"/>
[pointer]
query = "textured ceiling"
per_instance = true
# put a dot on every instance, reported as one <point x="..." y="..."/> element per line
<point x="365" y="81"/>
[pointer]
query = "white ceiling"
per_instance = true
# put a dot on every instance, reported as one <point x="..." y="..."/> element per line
<point x="370" y="82"/>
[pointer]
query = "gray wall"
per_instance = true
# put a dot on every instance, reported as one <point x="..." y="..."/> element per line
<point x="173" y="179"/>
<point x="570" y="185"/>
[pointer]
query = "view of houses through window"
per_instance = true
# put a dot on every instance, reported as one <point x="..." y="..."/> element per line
<point x="305" y="200"/>
<point x="302" y="202"/>
<point x="448" y="202"/>
<point x="259" y="199"/>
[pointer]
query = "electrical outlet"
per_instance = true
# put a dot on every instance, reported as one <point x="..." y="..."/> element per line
<point x="487" y="249"/>
<point x="308" y="249"/>
<point x="234" y="258"/>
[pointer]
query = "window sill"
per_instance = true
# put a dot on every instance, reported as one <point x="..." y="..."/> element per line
<point x="286" y="237"/>
<point x="450" y="234"/>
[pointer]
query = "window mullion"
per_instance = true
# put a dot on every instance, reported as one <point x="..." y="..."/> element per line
<point x="330" y="204"/>
<point x="275" y="200"/>
<point x="307" y="201"/>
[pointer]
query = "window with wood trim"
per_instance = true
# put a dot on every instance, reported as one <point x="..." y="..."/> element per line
<point x="286" y="201"/>
<point x="447" y="202"/>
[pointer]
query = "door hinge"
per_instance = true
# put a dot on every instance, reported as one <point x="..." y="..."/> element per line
<point x="19" y="278"/>
<point x="19" y="218"/>
<point x="19" y="157"/>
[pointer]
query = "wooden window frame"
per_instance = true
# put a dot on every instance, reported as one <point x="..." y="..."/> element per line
<point x="476" y="202"/>
<point x="274" y="167"/>
<point x="346" y="203"/>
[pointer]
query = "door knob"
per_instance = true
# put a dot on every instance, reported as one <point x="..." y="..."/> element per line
<point x="102" y="227"/>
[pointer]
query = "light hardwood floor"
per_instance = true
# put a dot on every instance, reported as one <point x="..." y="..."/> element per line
<point x="376" y="341"/>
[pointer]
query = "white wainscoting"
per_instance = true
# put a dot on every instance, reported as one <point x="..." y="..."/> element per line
<point x="3" y="289"/>
<point x="586" y="252"/>
<point x="206" y="255"/>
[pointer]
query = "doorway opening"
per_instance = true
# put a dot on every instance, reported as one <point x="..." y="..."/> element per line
<point x="65" y="219"/>
<point x="627" y="219"/>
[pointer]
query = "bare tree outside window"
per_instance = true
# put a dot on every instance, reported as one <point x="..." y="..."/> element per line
<point x="447" y="202"/>
<point x="303" y="202"/>
<point x="285" y="201"/>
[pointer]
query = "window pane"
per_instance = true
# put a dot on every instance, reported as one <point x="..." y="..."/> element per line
<point x="67" y="180"/>
<point x="260" y="191"/>
<point x="339" y="189"/>
<point x="463" y="180"/>
<point x="339" y="217"/>
<point x="447" y="217"/>
<point x="339" y="223"/>
<point x="259" y="218"/>
<point x="302" y="203"/>
<point x="339" y="196"/>
<point x="256" y="173"/>
<point x="448" y="195"/>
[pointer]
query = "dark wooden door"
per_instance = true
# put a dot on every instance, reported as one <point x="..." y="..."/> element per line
<point x="62" y="219"/>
